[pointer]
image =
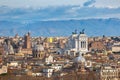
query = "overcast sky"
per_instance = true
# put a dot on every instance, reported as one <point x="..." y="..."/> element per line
<point x="46" y="3"/>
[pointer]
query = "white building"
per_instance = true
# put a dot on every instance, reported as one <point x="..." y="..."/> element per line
<point x="88" y="64"/>
<point x="38" y="51"/>
<point x="116" y="48"/>
<point x="13" y="64"/>
<point x="3" y="70"/>
<point x="49" y="59"/>
<point x="48" y="72"/>
<point x="109" y="73"/>
<point x="36" y="74"/>
<point x="8" y="48"/>
<point x="56" y="67"/>
<point x="77" y="43"/>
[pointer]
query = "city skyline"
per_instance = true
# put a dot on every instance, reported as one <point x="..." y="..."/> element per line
<point x="60" y="39"/>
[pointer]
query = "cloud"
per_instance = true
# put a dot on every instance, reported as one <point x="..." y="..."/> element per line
<point x="58" y="13"/>
<point x="70" y="10"/>
<point x="89" y="2"/>
<point x="40" y="3"/>
<point x="106" y="4"/>
<point x="54" y="3"/>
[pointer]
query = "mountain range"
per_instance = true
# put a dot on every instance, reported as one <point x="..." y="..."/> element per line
<point x="93" y="27"/>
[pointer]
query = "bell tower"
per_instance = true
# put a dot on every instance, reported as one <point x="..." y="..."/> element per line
<point x="27" y="43"/>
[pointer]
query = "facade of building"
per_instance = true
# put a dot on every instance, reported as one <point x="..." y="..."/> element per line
<point x="49" y="59"/>
<point x="8" y="48"/>
<point x="13" y="64"/>
<point x="27" y="43"/>
<point x="3" y="70"/>
<point x="109" y="73"/>
<point x="77" y="43"/>
<point x="1" y="49"/>
<point x="26" y="51"/>
<point x="62" y="42"/>
<point x="48" y="72"/>
<point x="80" y="63"/>
<point x="56" y="67"/>
<point x="116" y="47"/>
<point x="96" y="45"/>
<point x="38" y="51"/>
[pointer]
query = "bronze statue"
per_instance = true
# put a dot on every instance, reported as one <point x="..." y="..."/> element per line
<point x="82" y="32"/>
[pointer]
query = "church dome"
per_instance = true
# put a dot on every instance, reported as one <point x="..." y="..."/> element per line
<point x="38" y="47"/>
<point x="79" y="59"/>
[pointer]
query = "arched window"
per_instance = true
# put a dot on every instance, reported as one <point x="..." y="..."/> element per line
<point x="85" y="44"/>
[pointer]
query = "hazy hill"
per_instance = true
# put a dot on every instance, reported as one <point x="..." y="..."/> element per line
<point x="93" y="27"/>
